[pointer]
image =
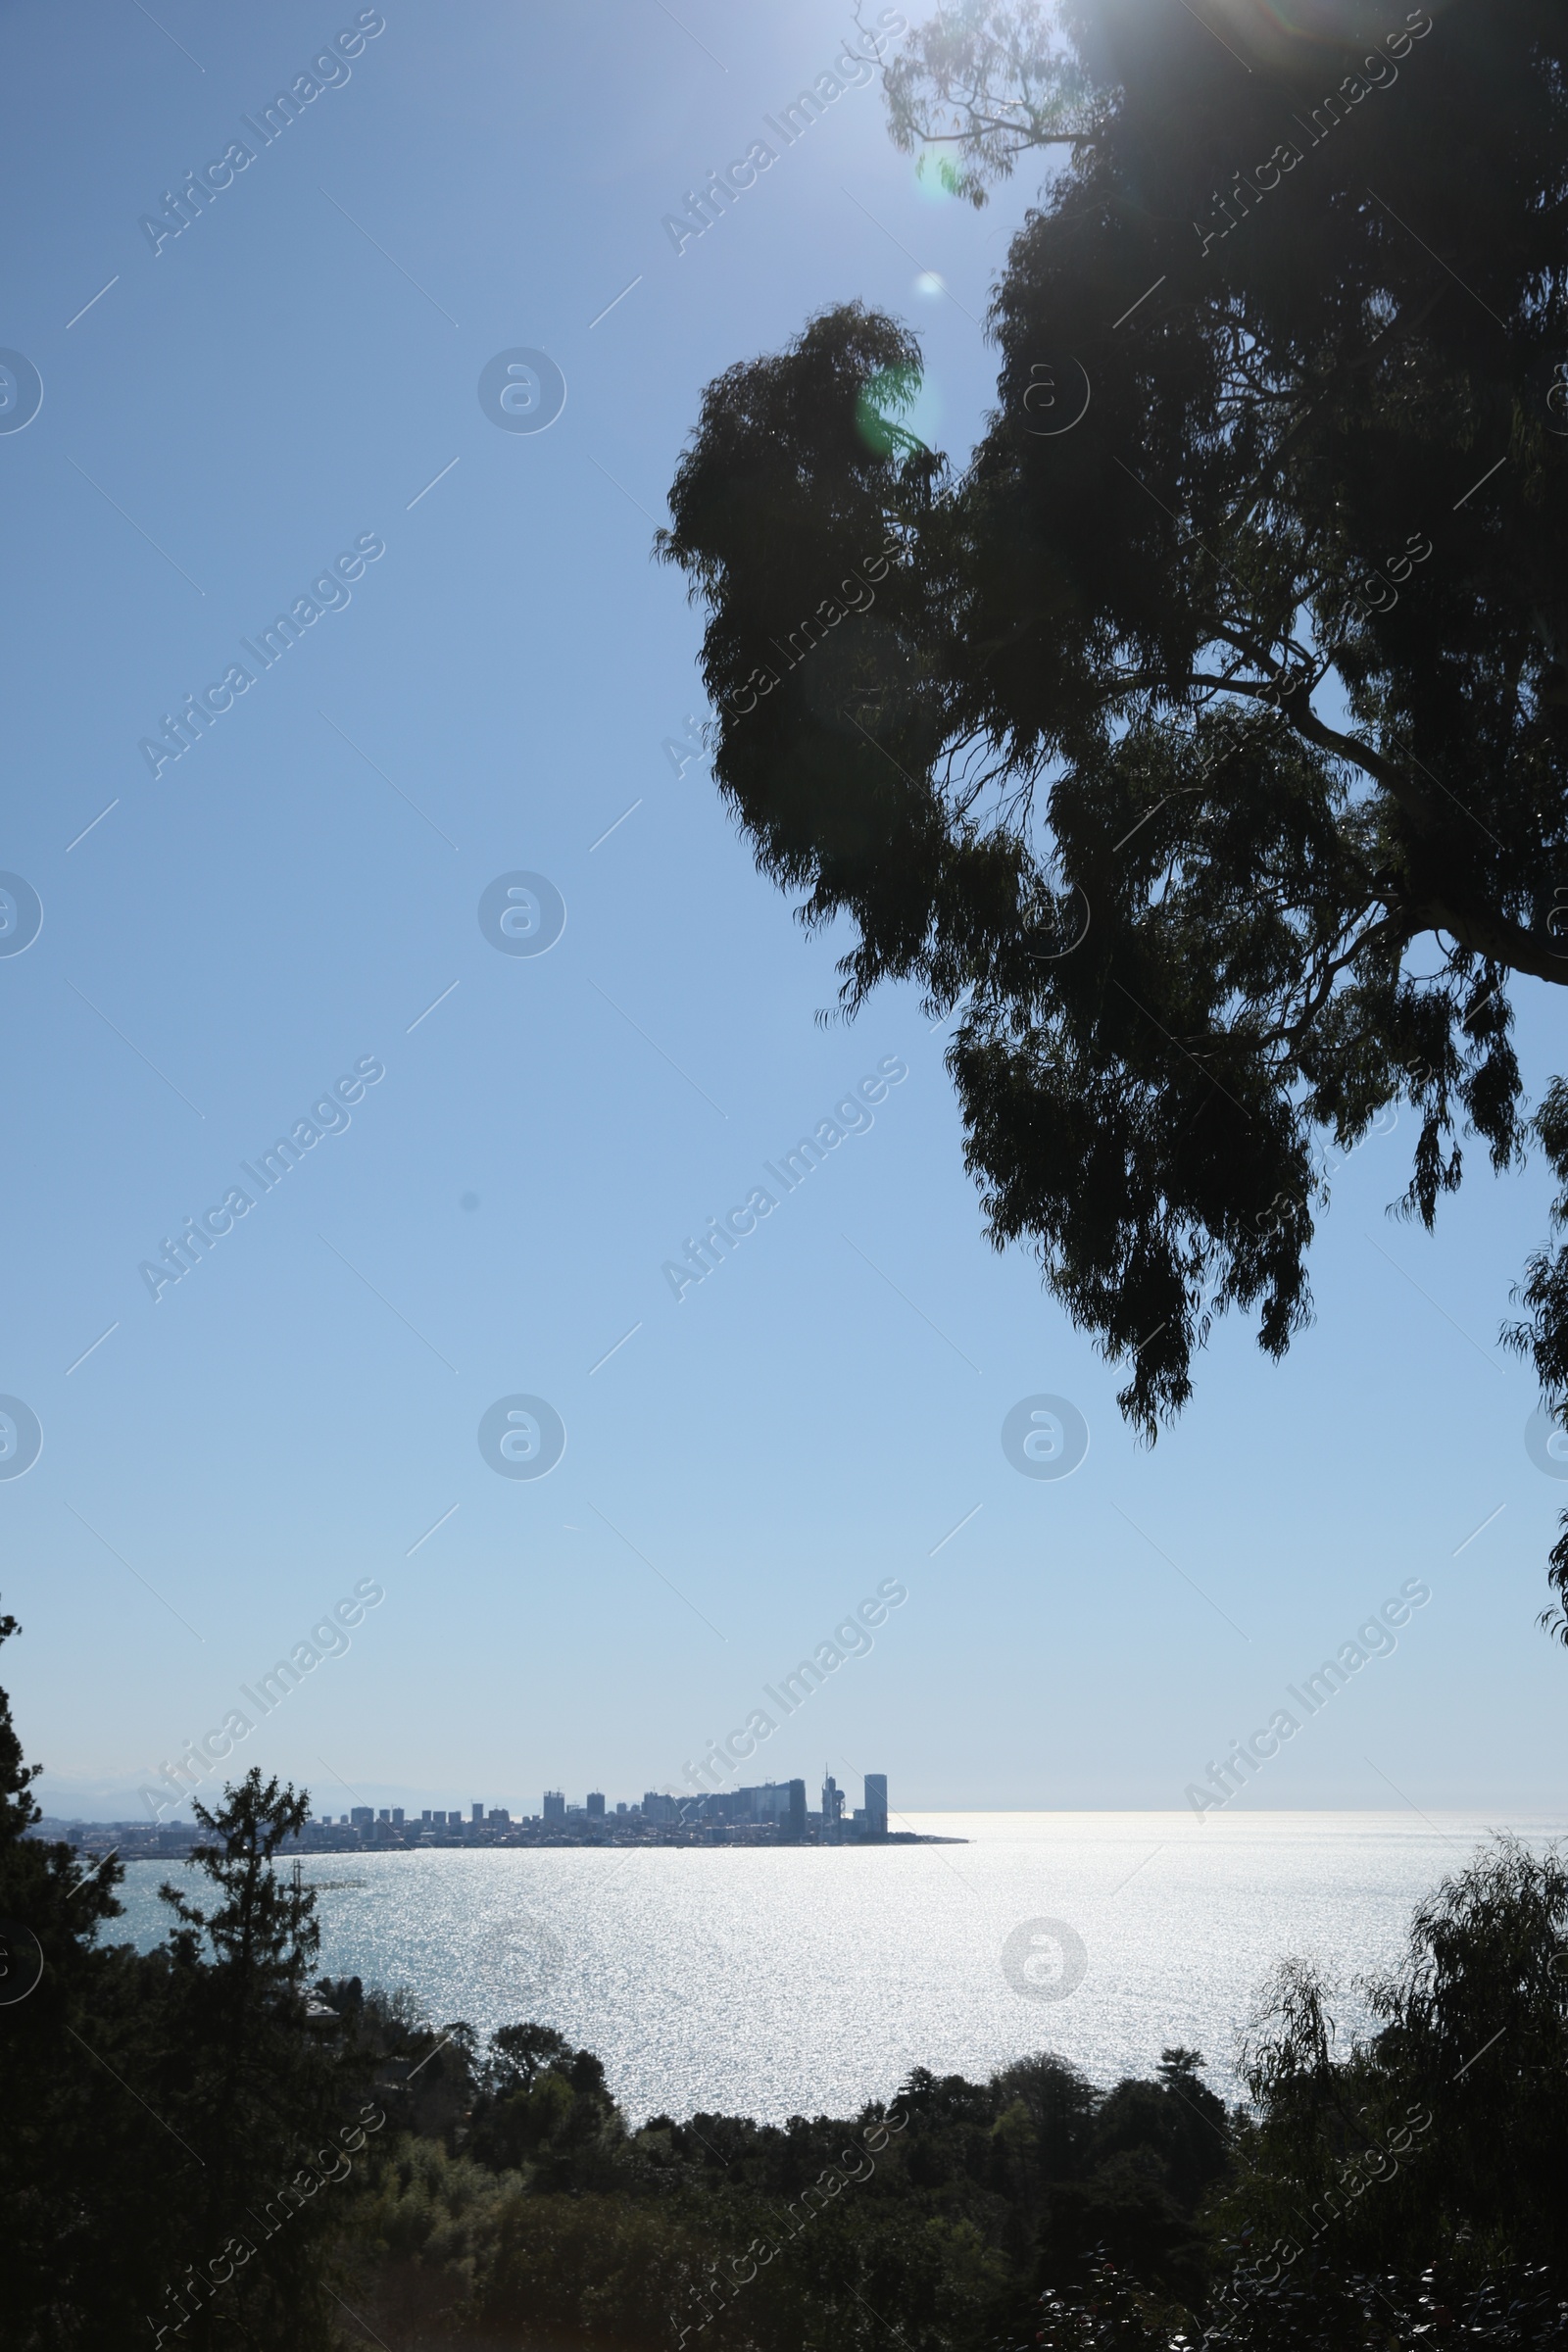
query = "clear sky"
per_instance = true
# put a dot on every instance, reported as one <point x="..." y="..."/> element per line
<point x="295" y="378"/>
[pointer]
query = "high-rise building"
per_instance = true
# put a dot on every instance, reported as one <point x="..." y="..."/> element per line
<point x="397" y="1816"/>
<point x="554" y="1805"/>
<point x="385" y="1814"/>
<point x="656" y="1806"/>
<point x="832" y="1807"/>
<point x="596" y="1804"/>
<point x="797" y="1815"/>
<point x="768" y="1803"/>
<point x="428" y="1817"/>
<point x="478" y="1810"/>
<point x="877" y="1804"/>
<point x="499" y="1818"/>
<point x="361" y="1816"/>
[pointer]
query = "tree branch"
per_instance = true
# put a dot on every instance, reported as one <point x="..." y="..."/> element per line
<point x="1484" y="932"/>
<point x="1481" y="929"/>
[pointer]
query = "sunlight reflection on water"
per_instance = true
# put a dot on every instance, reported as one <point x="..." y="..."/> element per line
<point x="772" y="1983"/>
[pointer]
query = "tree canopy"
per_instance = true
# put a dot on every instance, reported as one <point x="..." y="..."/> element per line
<point x="1203" y="746"/>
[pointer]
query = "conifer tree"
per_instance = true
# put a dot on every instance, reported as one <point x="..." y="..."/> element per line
<point x="78" y="2152"/>
<point x="254" y="2085"/>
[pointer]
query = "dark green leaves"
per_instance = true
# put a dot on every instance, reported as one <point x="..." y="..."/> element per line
<point x="1205" y="744"/>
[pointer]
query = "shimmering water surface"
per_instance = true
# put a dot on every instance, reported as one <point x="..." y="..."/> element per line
<point x="773" y="1983"/>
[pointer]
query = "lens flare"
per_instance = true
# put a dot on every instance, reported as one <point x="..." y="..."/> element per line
<point x="937" y="173"/>
<point x="898" y="411"/>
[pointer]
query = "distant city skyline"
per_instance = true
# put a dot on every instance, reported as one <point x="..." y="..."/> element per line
<point x="762" y="1801"/>
<point x="771" y="1812"/>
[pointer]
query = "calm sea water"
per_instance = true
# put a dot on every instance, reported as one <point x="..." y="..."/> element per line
<point x="807" y="1981"/>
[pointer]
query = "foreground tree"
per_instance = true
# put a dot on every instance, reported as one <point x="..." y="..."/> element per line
<point x="172" y="2124"/>
<point x="259" y="2086"/>
<point x="1207" y="744"/>
<point x="58" y="2142"/>
<point x="1440" y="2138"/>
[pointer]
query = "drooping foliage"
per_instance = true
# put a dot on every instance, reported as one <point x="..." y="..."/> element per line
<point x="1204" y="747"/>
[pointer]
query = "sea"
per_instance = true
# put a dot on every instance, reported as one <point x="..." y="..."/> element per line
<point x="806" y="1980"/>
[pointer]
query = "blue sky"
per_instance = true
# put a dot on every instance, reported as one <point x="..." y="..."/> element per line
<point x="271" y="389"/>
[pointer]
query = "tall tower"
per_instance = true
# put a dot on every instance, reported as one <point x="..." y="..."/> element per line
<point x="797" y="1812"/>
<point x="832" y="1807"/>
<point x="877" y="1804"/>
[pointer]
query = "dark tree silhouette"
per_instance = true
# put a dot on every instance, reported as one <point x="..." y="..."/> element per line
<point x="258" y="2091"/>
<point x="176" y="2127"/>
<point x="1204" y="745"/>
<point x="59" y="2139"/>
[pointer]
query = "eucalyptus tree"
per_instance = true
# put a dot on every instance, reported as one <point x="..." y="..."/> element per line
<point x="1203" y="747"/>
